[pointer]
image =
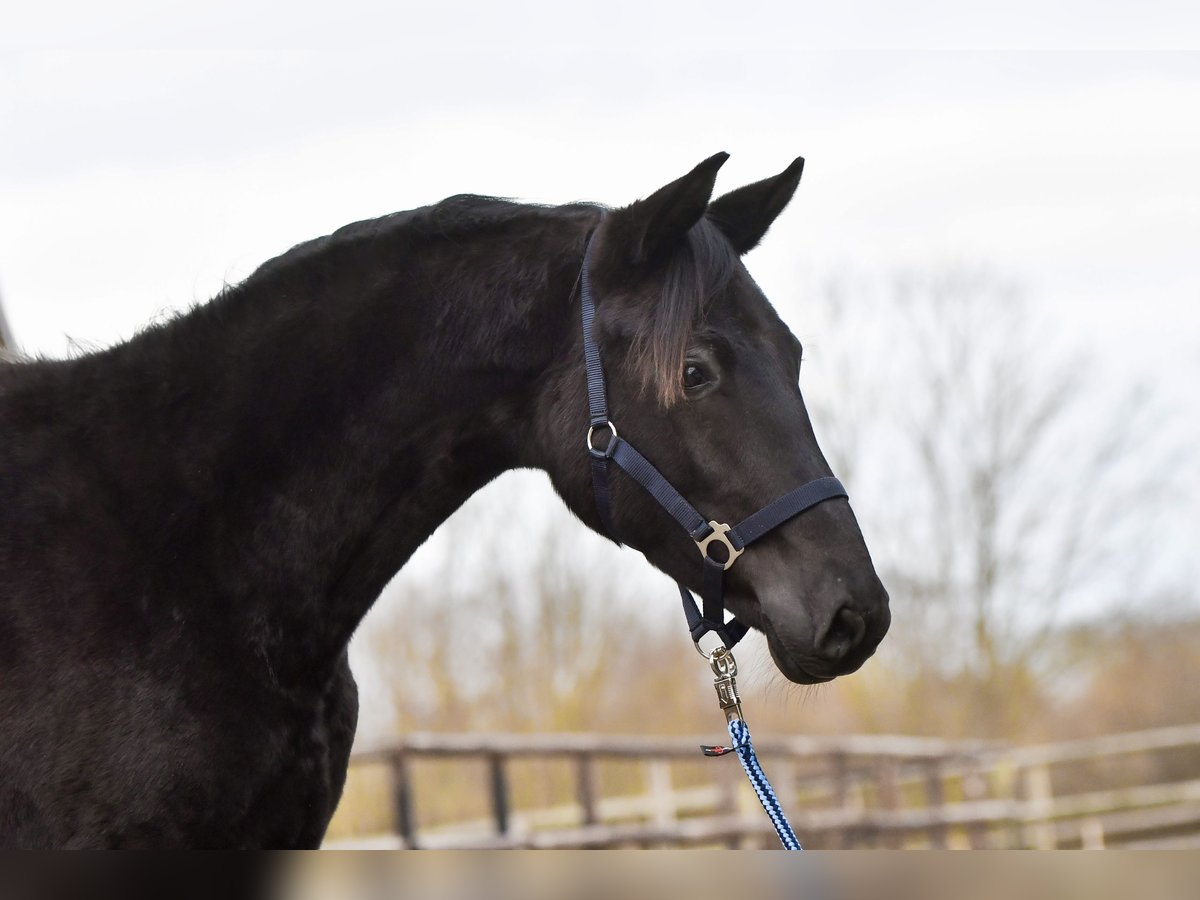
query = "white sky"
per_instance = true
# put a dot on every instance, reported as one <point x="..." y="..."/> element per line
<point x="137" y="180"/>
<point x="146" y="158"/>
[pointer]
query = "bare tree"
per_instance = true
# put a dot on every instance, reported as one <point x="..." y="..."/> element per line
<point x="518" y="618"/>
<point x="1001" y="489"/>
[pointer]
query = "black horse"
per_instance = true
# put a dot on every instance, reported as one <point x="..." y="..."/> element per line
<point x="193" y="523"/>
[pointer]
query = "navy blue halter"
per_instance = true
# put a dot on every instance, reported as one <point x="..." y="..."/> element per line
<point x="704" y="532"/>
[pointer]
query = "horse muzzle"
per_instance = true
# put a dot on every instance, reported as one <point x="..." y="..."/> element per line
<point x="815" y="646"/>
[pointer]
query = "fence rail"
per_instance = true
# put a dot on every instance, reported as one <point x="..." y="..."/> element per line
<point x="1133" y="789"/>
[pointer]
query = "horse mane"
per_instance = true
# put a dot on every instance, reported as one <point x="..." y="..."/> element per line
<point x="699" y="270"/>
<point x="461" y="215"/>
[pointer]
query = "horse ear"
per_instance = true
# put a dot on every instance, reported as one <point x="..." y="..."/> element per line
<point x="745" y="215"/>
<point x="651" y="227"/>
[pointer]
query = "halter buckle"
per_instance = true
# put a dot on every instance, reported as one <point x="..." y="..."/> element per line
<point x="720" y="534"/>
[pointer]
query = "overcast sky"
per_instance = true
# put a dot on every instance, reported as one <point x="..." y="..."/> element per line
<point x="137" y="180"/>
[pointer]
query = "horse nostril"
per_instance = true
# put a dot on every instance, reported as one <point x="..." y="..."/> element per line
<point x="845" y="632"/>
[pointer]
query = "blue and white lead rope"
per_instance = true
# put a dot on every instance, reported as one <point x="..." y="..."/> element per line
<point x="740" y="734"/>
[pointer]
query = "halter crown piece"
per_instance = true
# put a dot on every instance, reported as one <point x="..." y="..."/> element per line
<point x="706" y="534"/>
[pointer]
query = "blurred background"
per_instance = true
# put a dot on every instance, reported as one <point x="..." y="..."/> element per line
<point x="991" y="261"/>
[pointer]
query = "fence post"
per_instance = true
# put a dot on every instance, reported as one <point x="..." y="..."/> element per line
<point x="1091" y="834"/>
<point x="974" y="788"/>
<point x="934" y="800"/>
<point x="727" y="787"/>
<point x="839" y="767"/>
<point x="1038" y="796"/>
<point x="658" y="784"/>
<point x="499" y="786"/>
<point x="887" y="773"/>
<point x="402" y="801"/>
<point x="585" y="787"/>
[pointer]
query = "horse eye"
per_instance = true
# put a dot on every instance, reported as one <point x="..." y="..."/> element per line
<point x="694" y="376"/>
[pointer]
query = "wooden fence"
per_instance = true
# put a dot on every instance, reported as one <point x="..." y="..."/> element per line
<point x="1138" y="789"/>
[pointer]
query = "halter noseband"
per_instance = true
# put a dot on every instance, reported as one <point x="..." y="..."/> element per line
<point x="704" y="532"/>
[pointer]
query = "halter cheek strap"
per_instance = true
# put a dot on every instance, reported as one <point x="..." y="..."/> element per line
<point x="706" y="533"/>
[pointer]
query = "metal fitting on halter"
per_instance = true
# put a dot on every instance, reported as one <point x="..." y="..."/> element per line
<point x="724" y="667"/>
<point x="709" y="654"/>
<point x="720" y="534"/>
<point x="591" y="430"/>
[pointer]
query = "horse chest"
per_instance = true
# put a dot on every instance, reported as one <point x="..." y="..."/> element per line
<point x="246" y="772"/>
<point x="276" y="783"/>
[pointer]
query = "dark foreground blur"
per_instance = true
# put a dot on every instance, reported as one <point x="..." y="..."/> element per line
<point x="665" y="876"/>
<point x="583" y="876"/>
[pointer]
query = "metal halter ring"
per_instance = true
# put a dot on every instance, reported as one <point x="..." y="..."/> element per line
<point x="720" y="534"/>
<point x="611" y="427"/>
<point x="709" y="654"/>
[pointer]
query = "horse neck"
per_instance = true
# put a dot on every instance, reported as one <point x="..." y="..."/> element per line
<point x="307" y="432"/>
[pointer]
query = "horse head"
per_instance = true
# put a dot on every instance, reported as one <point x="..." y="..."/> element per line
<point x="703" y="378"/>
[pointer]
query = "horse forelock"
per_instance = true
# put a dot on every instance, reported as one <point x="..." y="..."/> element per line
<point x="700" y="269"/>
